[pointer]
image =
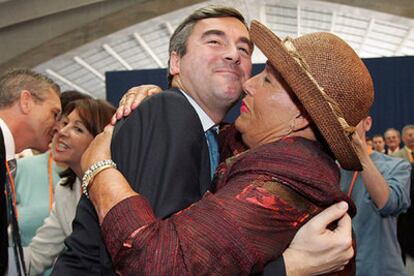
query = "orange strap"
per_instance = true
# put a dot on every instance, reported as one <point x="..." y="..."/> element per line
<point x="50" y="177"/>
<point x="11" y="180"/>
<point x="351" y="187"/>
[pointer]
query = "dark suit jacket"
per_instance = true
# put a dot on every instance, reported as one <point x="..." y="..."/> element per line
<point x="3" y="209"/>
<point x="162" y="151"/>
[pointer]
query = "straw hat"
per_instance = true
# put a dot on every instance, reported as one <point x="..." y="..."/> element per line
<point x="329" y="79"/>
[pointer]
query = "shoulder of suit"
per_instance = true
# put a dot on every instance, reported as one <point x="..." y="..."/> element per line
<point x="171" y="94"/>
<point x="170" y="98"/>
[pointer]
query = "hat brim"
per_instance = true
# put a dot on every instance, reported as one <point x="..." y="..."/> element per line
<point x="308" y="94"/>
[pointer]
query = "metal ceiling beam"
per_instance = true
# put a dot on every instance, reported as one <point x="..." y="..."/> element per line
<point x="113" y="53"/>
<point x="88" y="67"/>
<point x="333" y="22"/>
<point x="169" y="28"/>
<point x="262" y="14"/>
<point x="147" y="49"/>
<point x="298" y="23"/>
<point x="368" y="30"/>
<point x="399" y="7"/>
<point x="68" y="82"/>
<point x="404" y="41"/>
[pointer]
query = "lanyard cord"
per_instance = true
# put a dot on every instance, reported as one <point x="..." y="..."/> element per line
<point x="351" y="187"/>
<point x="11" y="181"/>
<point x="50" y="178"/>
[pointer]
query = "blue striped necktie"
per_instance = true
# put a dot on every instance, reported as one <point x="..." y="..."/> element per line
<point x="211" y="135"/>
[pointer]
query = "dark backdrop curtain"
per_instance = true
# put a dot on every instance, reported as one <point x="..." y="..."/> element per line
<point x="394" y="92"/>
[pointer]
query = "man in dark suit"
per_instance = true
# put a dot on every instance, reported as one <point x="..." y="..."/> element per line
<point x="161" y="148"/>
<point x="29" y="105"/>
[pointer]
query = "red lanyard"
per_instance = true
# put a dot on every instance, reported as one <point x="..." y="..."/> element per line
<point x="50" y="177"/>
<point x="11" y="181"/>
<point x="351" y="187"/>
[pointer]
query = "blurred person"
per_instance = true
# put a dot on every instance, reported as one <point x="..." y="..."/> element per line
<point x="408" y="139"/>
<point x="406" y="221"/>
<point x="392" y="140"/>
<point x="369" y="142"/>
<point x="381" y="192"/>
<point x="81" y="121"/>
<point x="29" y="106"/>
<point x="378" y="143"/>
<point x="35" y="183"/>
<point x="288" y="176"/>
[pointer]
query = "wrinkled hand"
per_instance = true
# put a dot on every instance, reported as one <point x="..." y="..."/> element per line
<point x="318" y="250"/>
<point x="99" y="149"/>
<point x="132" y="99"/>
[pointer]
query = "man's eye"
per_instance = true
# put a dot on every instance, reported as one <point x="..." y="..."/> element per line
<point x="244" y="50"/>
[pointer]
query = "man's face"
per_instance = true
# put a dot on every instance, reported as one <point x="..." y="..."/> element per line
<point x="42" y="121"/>
<point x="378" y="143"/>
<point x="408" y="138"/>
<point x="217" y="62"/>
<point x="392" y="139"/>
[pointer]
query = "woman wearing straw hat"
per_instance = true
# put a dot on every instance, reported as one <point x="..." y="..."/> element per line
<point x="298" y="116"/>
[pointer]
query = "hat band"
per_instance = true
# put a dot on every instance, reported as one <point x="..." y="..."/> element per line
<point x="290" y="47"/>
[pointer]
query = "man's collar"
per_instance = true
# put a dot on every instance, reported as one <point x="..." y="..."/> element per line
<point x="8" y="141"/>
<point x="206" y="121"/>
<point x="393" y="151"/>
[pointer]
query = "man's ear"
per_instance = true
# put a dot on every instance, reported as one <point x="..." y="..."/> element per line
<point x="26" y="101"/>
<point x="174" y="63"/>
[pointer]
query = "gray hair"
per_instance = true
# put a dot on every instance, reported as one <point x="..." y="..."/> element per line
<point x="15" y="81"/>
<point x="178" y="41"/>
<point x="406" y="128"/>
<point x="392" y="129"/>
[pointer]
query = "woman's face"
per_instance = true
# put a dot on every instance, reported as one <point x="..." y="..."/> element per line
<point x="268" y="112"/>
<point x="71" y="141"/>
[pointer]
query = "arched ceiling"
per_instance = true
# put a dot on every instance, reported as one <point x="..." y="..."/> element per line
<point x="144" y="45"/>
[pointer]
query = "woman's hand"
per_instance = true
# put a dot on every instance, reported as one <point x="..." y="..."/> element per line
<point x="132" y="99"/>
<point x="99" y="149"/>
<point x="315" y="249"/>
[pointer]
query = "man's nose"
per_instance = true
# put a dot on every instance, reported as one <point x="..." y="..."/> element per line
<point x="232" y="54"/>
<point x="56" y="127"/>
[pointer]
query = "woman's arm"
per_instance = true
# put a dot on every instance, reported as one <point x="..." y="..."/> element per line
<point x="228" y="221"/>
<point x="46" y="244"/>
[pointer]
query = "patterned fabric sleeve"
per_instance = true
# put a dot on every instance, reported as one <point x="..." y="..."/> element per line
<point x="236" y="231"/>
<point x="269" y="193"/>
